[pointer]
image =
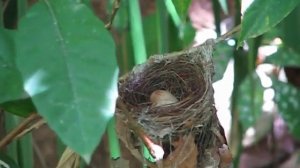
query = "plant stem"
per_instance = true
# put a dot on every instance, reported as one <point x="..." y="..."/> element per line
<point x="217" y="15"/>
<point x="25" y="151"/>
<point x="236" y="131"/>
<point x="173" y="13"/>
<point x="11" y="123"/>
<point x="162" y="27"/>
<point x="137" y="34"/>
<point x="113" y="140"/>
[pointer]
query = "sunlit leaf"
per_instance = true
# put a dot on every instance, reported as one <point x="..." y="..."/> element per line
<point x="287" y="98"/>
<point x="284" y="57"/>
<point x="67" y="60"/>
<point x="262" y="15"/>
<point x="250" y="100"/>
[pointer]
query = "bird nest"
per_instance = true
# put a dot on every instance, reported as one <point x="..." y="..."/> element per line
<point x="187" y="76"/>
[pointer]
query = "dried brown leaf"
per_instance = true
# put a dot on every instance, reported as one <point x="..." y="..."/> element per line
<point x="69" y="159"/>
<point x="184" y="156"/>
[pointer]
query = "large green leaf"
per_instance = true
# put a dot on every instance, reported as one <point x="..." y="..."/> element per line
<point x="290" y="30"/>
<point x="13" y="99"/>
<point x="11" y="82"/>
<point x="263" y="15"/>
<point x="67" y="60"/>
<point x="287" y="98"/>
<point x="284" y="57"/>
<point x="250" y="100"/>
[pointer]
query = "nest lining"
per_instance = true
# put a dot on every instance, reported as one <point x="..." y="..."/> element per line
<point x="185" y="75"/>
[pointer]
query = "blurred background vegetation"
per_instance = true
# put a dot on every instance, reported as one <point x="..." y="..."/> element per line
<point x="256" y="85"/>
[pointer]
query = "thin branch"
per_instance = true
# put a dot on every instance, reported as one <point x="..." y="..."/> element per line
<point x="116" y="7"/>
<point x="229" y="34"/>
<point x="11" y="135"/>
<point x="36" y="125"/>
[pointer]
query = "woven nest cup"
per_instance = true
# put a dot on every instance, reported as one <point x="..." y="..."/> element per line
<point x="189" y="122"/>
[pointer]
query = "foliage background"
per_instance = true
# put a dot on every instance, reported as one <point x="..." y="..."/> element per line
<point x="44" y="61"/>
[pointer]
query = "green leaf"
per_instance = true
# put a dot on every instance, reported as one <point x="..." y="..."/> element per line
<point x="7" y="162"/>
<point x="290" y="26"/>
<point x="13" y="99"/>
<point x="11" y="82"/>
<point x="88" y="3"/>
<point x="262" y="15"/>
<point x="20" y="107"/>
<point x="67" y="60"/>
<point x="223" y="53"/>
<point x="250" y="100"/>
<point x="284" y="57"/>
<point x="187" y="34"/>
<point x="182" y="7"/>
<point x="287" y="98"/>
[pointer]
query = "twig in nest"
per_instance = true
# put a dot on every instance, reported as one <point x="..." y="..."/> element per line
<point x="156" y="151"/>
<point x="116" y="7"/>
<point x="10" y="136"/>
<point x="229" y="34"/>
<point x="219" y="136"/>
